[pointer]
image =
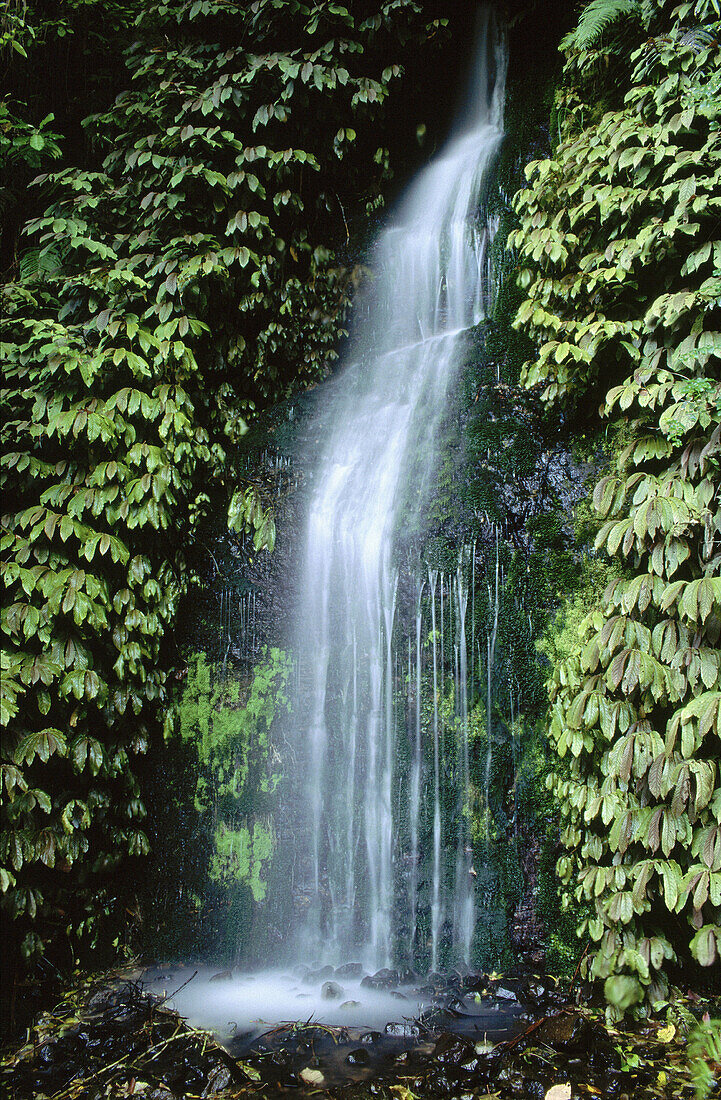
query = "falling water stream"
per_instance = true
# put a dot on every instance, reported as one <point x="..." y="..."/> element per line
<point x="432" y="284"/>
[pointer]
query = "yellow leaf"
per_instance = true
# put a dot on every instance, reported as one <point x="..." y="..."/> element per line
<point x="402" y="1092"/>
<point x="666" y="1034"/>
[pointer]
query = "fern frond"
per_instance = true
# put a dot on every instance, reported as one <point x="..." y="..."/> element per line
<point x="704" y="1057"/>
<point x="596" y="18"/>
<point x="38" y="261"/>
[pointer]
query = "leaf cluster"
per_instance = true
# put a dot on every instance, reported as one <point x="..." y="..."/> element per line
<point x="621" y="264"/>
<point x="173" y="290"/>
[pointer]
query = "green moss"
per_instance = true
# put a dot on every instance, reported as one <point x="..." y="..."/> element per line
<point x="228" y="719"/>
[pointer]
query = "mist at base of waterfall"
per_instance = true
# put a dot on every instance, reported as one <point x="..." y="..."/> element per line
<point x="247" y="1011"/>
<point x="250" y="1004"/>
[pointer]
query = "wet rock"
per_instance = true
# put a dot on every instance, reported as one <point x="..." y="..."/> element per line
<point x="440" y="1083"/>
<point x="535" y="1090"/>
<point x="218" y="1079"/>
<point x="315" y="976"/>
<point x="382" y="979"/>
<point x="350" y="1004"/>
<point x="533" y="993"/>
<point x="331" y="991"/>
<point x="452" y="1050"/>
<point x="542" y="992"/>
<point x="513" y="1081"/>
<point x="398" y="996"/>
<point x="604" y="1057"/>
<point x="349" y="970"/>
<point x="370" y="1037"/>
<point x="358" y="1057"/>
<point x="409" y="1029"/>
<point x="504" y="994"/>
<point x="563" y="1031"/>
<point x="222" y="976"/>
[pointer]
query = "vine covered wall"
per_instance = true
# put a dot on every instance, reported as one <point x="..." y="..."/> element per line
<point x="180" y="283"/>
<point x="619" y="250"/>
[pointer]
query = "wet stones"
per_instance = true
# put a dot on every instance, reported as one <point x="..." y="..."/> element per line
<point x="349" y="970"/>
<point x="101" y="1053"/>
<point x="408" y="1029"/>
<point x="382" y="979"/>
<point x="218" y="1079"/>
<point x="331" y="991"/>
<point x="358" y="1057"/>
<point x="541" y="993"/>
<point x="314" y="977"/>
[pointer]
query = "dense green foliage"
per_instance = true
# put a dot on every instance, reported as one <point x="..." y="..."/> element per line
<point x="621" y="260"/>
<point x="182" y="282"/>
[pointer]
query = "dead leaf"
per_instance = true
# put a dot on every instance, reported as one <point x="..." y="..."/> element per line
<point x="559" y="1092"/>
<point x="312" y="1076"/>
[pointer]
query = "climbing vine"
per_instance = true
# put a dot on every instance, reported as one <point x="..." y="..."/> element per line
<point x="185" y="281"/>
<point x="621" y="264"/>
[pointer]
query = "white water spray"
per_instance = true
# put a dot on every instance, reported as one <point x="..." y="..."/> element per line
<point x="380" y="433"/>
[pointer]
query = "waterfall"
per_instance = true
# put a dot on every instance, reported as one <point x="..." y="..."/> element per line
<point x="379" y="433"/>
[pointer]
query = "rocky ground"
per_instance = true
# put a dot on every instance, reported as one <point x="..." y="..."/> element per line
<point x="110" y="1039"/>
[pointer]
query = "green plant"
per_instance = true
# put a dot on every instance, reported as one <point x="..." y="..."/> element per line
<point x="595" y="20"/>
<point x="181" y="284"/>
<point x="622" y="271"/>
<point x="704" y="1057"/>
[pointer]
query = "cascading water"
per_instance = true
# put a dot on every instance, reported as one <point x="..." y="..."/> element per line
<point x="355" y="826"/>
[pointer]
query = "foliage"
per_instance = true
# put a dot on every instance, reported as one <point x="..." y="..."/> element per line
<point x="595" y="20"/>
<point x="59" y="60"/>
<point x="622" y="271"/>
<point x="704" y="1057"/>
<point x="187" y="281"/>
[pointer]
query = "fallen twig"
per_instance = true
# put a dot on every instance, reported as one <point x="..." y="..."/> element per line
<point x="167" y="996"/>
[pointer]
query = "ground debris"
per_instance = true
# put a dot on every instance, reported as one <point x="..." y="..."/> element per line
<point x="110" y="1039"/>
